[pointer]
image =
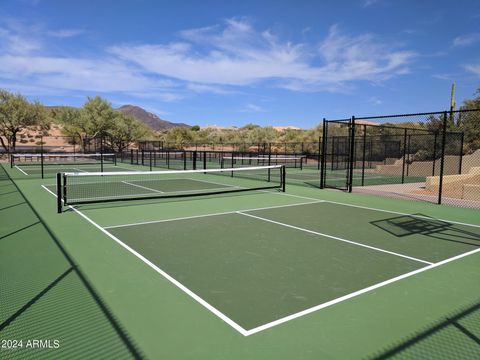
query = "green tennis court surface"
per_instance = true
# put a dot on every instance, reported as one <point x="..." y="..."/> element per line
<point x="259" y="274"/>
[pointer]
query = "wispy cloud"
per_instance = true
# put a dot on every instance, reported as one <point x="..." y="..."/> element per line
<point x="466" y="40"/>
<point x="236" y="54"/>
<point x="217" y="59"/>
<point x="367" y="3"/>
<point x="474" y="69"/>
<point x="251" y="108"/>
<point x="65" y="33"/>
<point x="375" y="100"/>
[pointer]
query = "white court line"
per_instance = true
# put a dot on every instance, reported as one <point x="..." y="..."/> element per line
<point x="208" y="215"/>
<point x="401" y="213"/>
<point x="143" y="187"/>
<point x="166" y="276"/>
<point x="335" y="238"/>
<point x="356" y="293"/>
<point x="21" y="170"/>
<point x="280" y="321"/>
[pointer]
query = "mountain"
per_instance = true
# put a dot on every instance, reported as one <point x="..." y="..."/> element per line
<point x="148" y="118"/>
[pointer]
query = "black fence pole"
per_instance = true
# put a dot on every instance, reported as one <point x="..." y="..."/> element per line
<point x="41" y="155"/>
<point x="442" y="160"/>
<point x="323" y="154"/>
<point x="101" y="154"/>
<point x="194" y="160"/>
<point x="408" y="155"/>
<point x="461" y="153"/>
<point x="404" y="154"/>
<point x="352" y="153"/>
<point x="319" y="157"/>
<point x="364" y="152"/>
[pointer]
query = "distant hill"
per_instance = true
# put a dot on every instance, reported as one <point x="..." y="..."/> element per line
<point x="148" y="118"/>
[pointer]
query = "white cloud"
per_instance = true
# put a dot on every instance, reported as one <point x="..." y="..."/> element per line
<point x="216" y="59"/>
<point x="252" y="108"/>
<point x="367" y="3"/>
<point x="375" y="100"/>
<point x="65" y="33"/>
<point x="466" y="40"/>
<point x="475" y="69"/>
<point x="238" y="55"/>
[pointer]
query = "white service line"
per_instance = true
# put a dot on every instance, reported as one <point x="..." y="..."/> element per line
<point x="401" y="213"/>
<point x="21" y="170"/>
<point x="142" y="187"/>
<point x="280" y="321"/>
<point x="166" y="276"/>
<point x="208" y="215"/>
<point x="335" y="238"/>
<point x="357" y="293"/>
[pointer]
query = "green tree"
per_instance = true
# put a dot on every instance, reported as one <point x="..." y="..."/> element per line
<point x="125" y="131"/>
<point x="16" y="115"/>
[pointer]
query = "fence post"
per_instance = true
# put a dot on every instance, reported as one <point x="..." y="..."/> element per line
<point x="352" y="154"/>
<point x="319" y="158"/>
<point x="404" y="153"/>
<point x="442" y="161"/>
<point x="323" y="155"/>
<point x="461" y="154"/>
<point x="41" y="154"/>
<point x="364" y="152"/>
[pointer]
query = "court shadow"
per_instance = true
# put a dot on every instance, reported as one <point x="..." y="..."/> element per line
<point x="455" y="336"/>
<point x="46" y="296"/>
<point x="419" y="224"/>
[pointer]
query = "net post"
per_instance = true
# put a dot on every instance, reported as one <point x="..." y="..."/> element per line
<point x="442" y="161"/>
<point x="143" y="157"/>
<point x="352" y="154"/>
<point x="194" y="160"/>
<point x="63" y="193"/>
<point x="12" y="159"/>
<point x="233" y="156"/>
<point x="269" y="160"/>
<point x="115" y="159"/>
<point x="59" y="193"/>
<point x="184" y="160"/>
<point x="131" y="156"/>
<point x="283" y="170"/>
<point x="168" y="159"/>
<point x="204" y="159"/>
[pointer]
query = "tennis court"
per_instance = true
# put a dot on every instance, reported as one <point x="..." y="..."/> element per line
<point x="235" y="267"/>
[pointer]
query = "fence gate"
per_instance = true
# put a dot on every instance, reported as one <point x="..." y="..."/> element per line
<point x="337" y="152"/>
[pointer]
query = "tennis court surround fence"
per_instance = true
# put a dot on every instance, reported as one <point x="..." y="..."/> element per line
<point x="433" y="157"/>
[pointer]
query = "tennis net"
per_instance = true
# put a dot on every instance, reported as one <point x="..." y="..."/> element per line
<point x="61" y="159"/>
<point x="83" y="187"/>
<point x="262" y="160"/>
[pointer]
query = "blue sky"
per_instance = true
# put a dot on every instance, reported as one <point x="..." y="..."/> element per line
<point x="235" y="62"/>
